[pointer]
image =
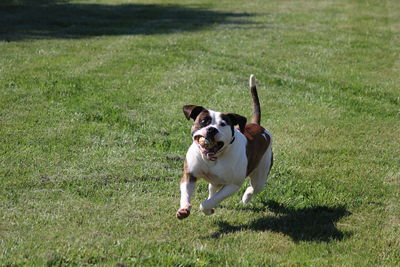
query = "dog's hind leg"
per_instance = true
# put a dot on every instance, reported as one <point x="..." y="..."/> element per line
<point x="258" y="177"/>
<point x="212" y="190"/>
<point x="208" y="205"/>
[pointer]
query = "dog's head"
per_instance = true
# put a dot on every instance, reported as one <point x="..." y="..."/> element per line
<point x="212" y="131"/>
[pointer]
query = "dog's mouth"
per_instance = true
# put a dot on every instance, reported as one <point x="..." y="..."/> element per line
<point x="208" y="147"/>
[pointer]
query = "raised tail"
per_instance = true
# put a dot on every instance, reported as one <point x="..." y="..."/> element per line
<point x="256" y="103"/>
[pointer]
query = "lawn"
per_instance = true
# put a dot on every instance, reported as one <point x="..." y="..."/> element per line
<point x="93" y="137"/>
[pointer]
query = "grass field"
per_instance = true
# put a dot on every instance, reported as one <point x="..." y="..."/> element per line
<point x="93" y="137"/>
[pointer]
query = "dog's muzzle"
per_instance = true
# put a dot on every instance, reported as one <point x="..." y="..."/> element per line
<point x="211" y="133"/>
<point x="208" y="145"/>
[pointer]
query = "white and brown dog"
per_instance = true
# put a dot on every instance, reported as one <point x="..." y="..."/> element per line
<point x="224" y="156"/>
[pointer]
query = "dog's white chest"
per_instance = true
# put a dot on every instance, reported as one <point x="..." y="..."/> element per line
<point x="220" y="175"/>
<point x="227" y="169"/>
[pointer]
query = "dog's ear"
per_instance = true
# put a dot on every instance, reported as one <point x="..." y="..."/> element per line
<point x="237" y="119"/>
<point x="192" y="111"/>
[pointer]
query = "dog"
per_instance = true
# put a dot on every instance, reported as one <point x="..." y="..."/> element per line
<point x="225" y="155"/>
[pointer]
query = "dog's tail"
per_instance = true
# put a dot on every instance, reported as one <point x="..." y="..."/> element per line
<point x="256" y="103"/>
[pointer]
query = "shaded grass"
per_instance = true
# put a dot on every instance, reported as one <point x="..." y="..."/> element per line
<point x="63" y="19"/>
<point x="93" y="137"/>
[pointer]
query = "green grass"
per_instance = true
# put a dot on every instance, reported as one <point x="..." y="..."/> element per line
<point x="93" y="136"/>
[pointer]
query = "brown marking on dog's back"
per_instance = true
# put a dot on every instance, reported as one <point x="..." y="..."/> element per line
<point x="187" y="176"/>
<point x="257" y="144"/>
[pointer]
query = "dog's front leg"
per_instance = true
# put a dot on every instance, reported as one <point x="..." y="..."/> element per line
<point x="208" y="205"/>
<point x="187" y="187"/>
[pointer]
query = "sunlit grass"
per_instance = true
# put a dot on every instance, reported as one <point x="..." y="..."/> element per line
<point x="93" y="137"/>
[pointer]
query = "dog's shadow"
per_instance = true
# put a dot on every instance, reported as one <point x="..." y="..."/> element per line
<point x="304" y="224"/>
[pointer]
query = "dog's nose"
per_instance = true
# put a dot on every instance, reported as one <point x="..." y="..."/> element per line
<point x="211" y="132"/>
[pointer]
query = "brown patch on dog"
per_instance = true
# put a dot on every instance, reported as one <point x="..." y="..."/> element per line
<point x="228" y="121"/>
<point x="187" y="176"/>
<point x="192" y="111"/>
<point x="256" y="106"/>
<point x="234" y="119"/>
<point x="202" y="120"/>
<point x="257" y="144"/>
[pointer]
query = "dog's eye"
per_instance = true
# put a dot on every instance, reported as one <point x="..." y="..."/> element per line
<point x="205" y="121"/>
<point x="222" y="124"/>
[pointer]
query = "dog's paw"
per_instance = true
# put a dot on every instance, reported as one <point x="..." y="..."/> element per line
<point x="247" y="195"/>
<point x="246" y="198"/>
<point x="182" y="213"/>
<point x="209" y="212"/>
<point x="206" y="211"/>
